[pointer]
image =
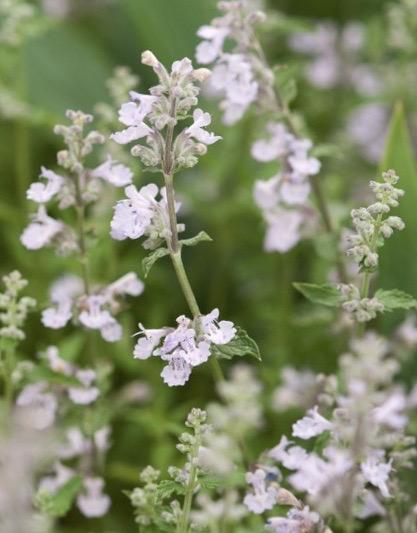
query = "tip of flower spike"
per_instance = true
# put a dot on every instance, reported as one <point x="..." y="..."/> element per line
<point x="148" y="58"/>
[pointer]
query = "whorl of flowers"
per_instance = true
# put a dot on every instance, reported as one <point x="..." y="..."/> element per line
<point x="362" y="426"/>
<point x="185" y="347"/>
<point x="283" y="198"/>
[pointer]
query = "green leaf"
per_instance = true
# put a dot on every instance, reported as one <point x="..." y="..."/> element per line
<point x="326" y="294"/>
<point x="209" y="482"/>
<point x="58" y="504"/>
<point x="239" y="346"/>
<point x="286" y="85"/>
<point x="168" y="487"/>
<point x="202" y="236"/>
<point x="41" y="373"/>
<point x="395" y="299"/>
<point x="398" y="263"/>
<point x="152" y="258"/>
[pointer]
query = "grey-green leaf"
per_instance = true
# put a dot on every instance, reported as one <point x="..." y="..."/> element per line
<point x="149" y="261"/>
<point x="169" y="487"/>
<point x="201" y="237"/>
<point x="239" y="346"/>
<point x="326" y="294"/>
<point x="60" y="503"/>
<point x="395" y="299"/>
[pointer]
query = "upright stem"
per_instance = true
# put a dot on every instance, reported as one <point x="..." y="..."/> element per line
<point x="80" y="208"/>
<point x="186" y="510"/>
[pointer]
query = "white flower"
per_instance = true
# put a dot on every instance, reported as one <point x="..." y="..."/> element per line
<point x="295" y="193"/>
<point x="86" y="393"/>
<point x="66" y="287"/>
<point x="266" y="192"/>
<point x="57" y="317"/>
<point x="132" y="115"/>
<point x="292" y="457"/>
<point x="303" y="165"/>
<point x="52" y="484"/>
<point x="94" y="316"/>
<point x="177" y="372"/>
<point x="262" y="497"/>
<point x="112" y="331"/>
<point x="391" y="412"/>
<point x="113" y="172"/>
<point x="128" y="284"/>
<point x="43" y="192"/>
<point x="297" y="521"/>
<point x="56" y="363"/>
<point x="283" y="230"/>
<point x="40" y="231"/>
<point x="377" y="473"/>
<point x="311" y="425"/>
<point x="76" y="444"/>
<point x="41" y="404"/>
<point x="217" y="332"/>
<point x="212" y="45"/>
<point x="196" y="130"/>
<point x="92" y="502"/>
<point x="273" y="147"/>
<point x="133" y="216"/>
<point x="150" y="340"/>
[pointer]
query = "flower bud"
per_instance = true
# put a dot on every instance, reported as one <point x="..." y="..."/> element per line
<point x="148" y="58"/>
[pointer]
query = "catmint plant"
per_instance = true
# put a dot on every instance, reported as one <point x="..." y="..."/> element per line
<point x="151" y="212"/>
<point x="242" y="76"/>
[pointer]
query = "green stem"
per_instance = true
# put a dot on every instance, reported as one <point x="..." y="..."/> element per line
<point x="185" y="284"/>
<point x="80" y="208"/>
<point x="8" y="363"/>
<point x="188" y="499"/>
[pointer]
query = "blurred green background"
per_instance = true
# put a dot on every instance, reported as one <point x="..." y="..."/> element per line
<point x="66" y="65"/>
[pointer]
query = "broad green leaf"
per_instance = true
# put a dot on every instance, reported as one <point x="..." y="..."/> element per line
<point x="201" y="237"/>
<point x="239" y="346"/>
<point x="42" y="373"/>
<point x="395" y="299"/>
<point x="152" y="258"/>
<point x="326" y="294"/>
<point x="58" y="504"/>
<point x="398" y="263"/>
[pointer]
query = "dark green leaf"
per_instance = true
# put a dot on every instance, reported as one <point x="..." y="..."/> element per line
<point x="395" y="299"/>
<point x="326" y="294"/>
<point x="239" y="346"/>
<point x="286" y="85"/>
<point x="168" y="487"/>
<point x="41" y="373"/>
<point x="209" y="482"/>
<point x="151" y="259"/>
<point x="202" y="236"/>
<point x="60" y="503"/>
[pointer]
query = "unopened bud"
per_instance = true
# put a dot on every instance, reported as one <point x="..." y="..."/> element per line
<point x="201" y="74"/>
<point x="285" y="497"/>
<point x="148" y="58"/>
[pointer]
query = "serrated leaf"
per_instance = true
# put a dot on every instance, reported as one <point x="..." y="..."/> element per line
<point x="240" y="346"/>
<point x="149" y="261"/>
<point x="209" y="482"/>
<point x="168" y="487"/>
<point x="58" y="504"/>
<point x="326" y="294"/>
<point x="395" y="299"/>
<point x="201" y="237"/>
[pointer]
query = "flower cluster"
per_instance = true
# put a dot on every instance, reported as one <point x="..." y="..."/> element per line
<point x="283" y="198"/>
<point x="14" y="310"/>
<point x="187" y="346"/>
<point x="239" y="76"/>
<point x="95" y="310"/>
<point x="171" y="101"/>
<point x="18" y="20"/>
<point x="363" y="444"/>
<point x="42" y="399"/>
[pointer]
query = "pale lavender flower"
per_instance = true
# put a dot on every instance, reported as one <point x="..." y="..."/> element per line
<point x="263" y="495"/>
<point x="93" y="503"/>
